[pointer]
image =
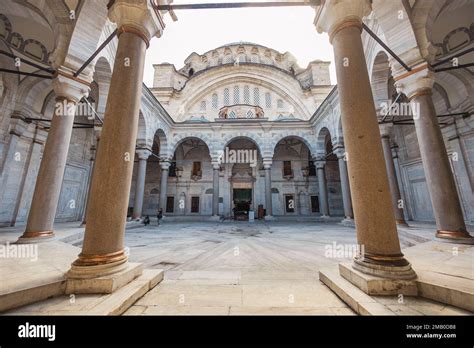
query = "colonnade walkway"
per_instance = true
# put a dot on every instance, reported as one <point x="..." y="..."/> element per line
<point x="236" y="268"/>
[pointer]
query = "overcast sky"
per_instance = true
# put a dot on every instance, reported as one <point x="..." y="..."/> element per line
<point x="284" y="29"/>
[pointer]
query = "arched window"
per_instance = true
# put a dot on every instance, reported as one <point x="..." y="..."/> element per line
<point x="215" y="101"/>
<point x="268" y="100"/>
<point x="203" y="105"/>
<point x="256" y="96"/>
<point x="247" y="95"/>
<point x="226" y="97"/>
<point x="280" y="104"/>
<point x="232" y="114"/>
<point x="250" y="114"/>
<point x="236" y="95"/>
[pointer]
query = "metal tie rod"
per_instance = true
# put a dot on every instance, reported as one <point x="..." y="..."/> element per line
<point x="209" y="6"/>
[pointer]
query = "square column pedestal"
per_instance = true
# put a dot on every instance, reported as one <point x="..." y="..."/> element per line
<point x="373" y="285"/>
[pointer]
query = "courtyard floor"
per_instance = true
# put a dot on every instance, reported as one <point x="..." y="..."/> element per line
<point x="238" y="267"/>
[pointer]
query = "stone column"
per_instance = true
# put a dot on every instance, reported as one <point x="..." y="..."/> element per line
<point x="392" y="176"/>
<point x="215" y="189"/>
<point x="461" y="167"/>
<point x="323" y="191"/>
<point x="396" y="163"/>
<point x="375" y="224"/>
<point x="140" y="186"/>
<point x="267" y="165"/>
<point x="417" y="86"/>
<point x="345" y="187"/>
<point x="92" y="166"/>
<point x="103" y="250"/>
<point x="164" y="184"/>
<point x="69" y="91"/>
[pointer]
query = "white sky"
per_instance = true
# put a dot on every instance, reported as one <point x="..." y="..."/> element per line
<point x="284" y="29"/>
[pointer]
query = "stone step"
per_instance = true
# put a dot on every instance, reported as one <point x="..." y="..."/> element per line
<point x="27" y="280"/>
<point x="122" y="299"/>
<point x="96" y="304"/>
<point x="448" y="289"/>
<point x="32" y="294"/>
<point x="355" y="298"/>
<point x="364" y="304"/>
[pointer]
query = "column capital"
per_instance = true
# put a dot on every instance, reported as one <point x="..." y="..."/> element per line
<point x="142" y="154"/>
<point x="164" y="165"/>
<point x="71" y="88"/>
<point x="320" y="164"/>
<point x="395" y="149"/>
<point x="333" y="15"/>
<point x="267" y="163"/>
<point x="340" y="152"/>
<point x="418" y="81"/>
<point x="216" y="166"/>
<point x="138" y="17"/>
<point x="385" y="129"/>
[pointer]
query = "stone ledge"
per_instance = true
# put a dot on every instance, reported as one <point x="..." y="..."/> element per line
<point x="106" y="284"/>
<point x="373" y="285"/>
<point x="29" y="295"/>
<point x="95" y="304"/>
<point x="455" y="291"/>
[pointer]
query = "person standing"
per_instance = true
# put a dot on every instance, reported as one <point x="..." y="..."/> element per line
<point x="159" y="215"/>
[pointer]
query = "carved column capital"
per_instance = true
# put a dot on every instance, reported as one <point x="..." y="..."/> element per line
<point x="142" y="154"/>
<point x="137" y="17"/>
<point x="334" y="15"/>
<point x="386" y="129"/>
<point x="416" y="82"/>
<point x="70" y="88"/>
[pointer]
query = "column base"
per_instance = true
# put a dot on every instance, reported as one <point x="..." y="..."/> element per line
<point x="375" y="285"/>
<point x="269" y="218"/>
<point x="455" y="237"/>
<point x="402" y="223"/>
<point x="390" y="267"/>
<point x="101" y="279"/>
<point x="36" y="237"/>
<point x="348" y="222"/>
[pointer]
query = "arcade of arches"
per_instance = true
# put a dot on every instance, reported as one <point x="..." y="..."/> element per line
<point x="240" y="133"/>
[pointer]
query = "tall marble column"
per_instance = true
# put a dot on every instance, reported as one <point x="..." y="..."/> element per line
<point x="215" y="189"/>
<point x="92" y="166"/>
<point x="392" y="176"/>
<point x="461" y="168"/>
<point x="164" y="184"/>
<point x="417" y="86"/>
<point x="140" y="186"/>
<point x="323" y="190"/>
<point x="345" y="187"/>
<point x="69" y="91"/>
<point x="375" y="224"/>
<point x="103" y="250"/>
<point x="267" y="165"/>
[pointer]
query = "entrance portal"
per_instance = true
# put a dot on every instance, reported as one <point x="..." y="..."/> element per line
<point x="242" y="202"/>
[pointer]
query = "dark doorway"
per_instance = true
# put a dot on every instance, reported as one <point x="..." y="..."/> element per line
<point x="194" y="204"/>
<point x="314" y="204"/>
<point x="242" y="201"/>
